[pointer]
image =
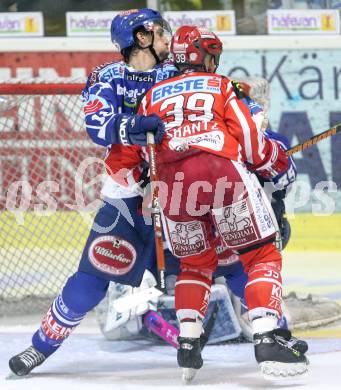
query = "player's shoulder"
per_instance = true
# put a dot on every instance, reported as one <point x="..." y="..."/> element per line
<point x="281" y="138"/>
<point x="167" y="65"/>
<point x="177" y="83"/>
<point x="107" y="72"/>
<point x="164" y="70"/>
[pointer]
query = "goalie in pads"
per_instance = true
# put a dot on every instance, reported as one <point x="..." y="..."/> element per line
<point x="130" y="324"/>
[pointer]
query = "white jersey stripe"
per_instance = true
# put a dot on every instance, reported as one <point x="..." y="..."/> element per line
<point x="261" y="144"/>
<point x="246" y="131"/>
<point x="268" y="280"/>
<point x="193" y="282"/>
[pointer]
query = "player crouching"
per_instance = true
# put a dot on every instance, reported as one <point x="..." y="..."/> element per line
<point x="211" y="139"/>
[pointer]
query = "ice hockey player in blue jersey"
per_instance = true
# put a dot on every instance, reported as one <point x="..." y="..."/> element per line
<point x="119" y="247"/>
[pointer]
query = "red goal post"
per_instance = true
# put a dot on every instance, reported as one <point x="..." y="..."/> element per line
<point x="41" y="89"/>
<point x="50" y="174"/>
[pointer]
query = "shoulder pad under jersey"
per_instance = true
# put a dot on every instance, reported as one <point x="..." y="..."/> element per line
<point x="165" y="70"/>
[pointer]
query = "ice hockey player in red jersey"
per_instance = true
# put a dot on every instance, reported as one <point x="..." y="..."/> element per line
<point x="212" y="144"/>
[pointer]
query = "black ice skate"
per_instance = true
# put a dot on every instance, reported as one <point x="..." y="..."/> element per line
<point x="279" y="354"/>
<point x="189" y="357"/>
<point x="300" y="345"/>
<point x="23" y="363"/>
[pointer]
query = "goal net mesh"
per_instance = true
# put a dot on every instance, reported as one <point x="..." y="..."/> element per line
<point x="49" y="181"/>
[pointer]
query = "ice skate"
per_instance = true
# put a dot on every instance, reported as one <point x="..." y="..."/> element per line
<point x="23" y="363"/>
<point x="189" y="357"/>
<point x="300" y="345"/>
<point x="280" y="355"/>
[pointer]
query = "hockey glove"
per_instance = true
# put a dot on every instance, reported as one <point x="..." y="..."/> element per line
<point x="133" y="129"/>
<point x="275" y="163"/>
<point x="284" y="179"/>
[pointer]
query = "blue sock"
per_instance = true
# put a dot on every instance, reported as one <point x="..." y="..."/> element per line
<point x="82" y="292"/>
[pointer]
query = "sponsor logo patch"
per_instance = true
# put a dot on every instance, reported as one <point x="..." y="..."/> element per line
<point x="112" y="255"/>
<point x="93" y="78"/>
<point x="53" y="330"/>
<point x="187" y="238"/>
<point x="235" y="225"/>
<point x="114" y="71"/>
<point x="189" y="84"/>
<point x="146" y="78"/>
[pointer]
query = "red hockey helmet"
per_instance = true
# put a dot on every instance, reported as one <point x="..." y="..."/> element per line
<point x="191" y="44"/>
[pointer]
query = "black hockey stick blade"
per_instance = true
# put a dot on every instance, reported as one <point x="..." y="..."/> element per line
<point x="209" y="326"/>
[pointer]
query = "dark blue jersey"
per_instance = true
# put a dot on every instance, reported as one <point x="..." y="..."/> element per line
<point x="112" y="89"/>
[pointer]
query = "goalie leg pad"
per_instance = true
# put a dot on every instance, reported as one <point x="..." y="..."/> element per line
<point x="117" y="325"/>
<point x="226" y="326"/>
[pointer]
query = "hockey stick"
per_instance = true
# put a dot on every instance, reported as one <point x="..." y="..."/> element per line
<point x="314" y="140"/>
<point x="156" y="214"/>
<point x="162" y="328"/>
<point x="209" y="326"/>
<point x="130" y="301"/>
<point x="169" y="333"/>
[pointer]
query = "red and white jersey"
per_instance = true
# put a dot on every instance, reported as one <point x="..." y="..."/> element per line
<point x="123" y="165"/>
<point x="202" y="111"/>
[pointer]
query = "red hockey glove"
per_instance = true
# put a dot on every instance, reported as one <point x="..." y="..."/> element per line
<point x="275" y="162"/>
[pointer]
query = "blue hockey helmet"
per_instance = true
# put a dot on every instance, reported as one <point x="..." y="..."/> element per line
<point x="126" y="23"/>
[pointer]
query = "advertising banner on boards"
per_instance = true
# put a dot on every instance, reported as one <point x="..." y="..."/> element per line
<point x="83" y="24"/>
<point x="21" y="24"/>
<point x="289" y="21"/>
<point x="221" y="22"/>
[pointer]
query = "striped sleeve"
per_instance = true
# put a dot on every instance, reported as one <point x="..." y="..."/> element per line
<point x="242" y="127"/>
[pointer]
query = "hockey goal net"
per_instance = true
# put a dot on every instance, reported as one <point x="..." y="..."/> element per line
<point x="50" y="175"/>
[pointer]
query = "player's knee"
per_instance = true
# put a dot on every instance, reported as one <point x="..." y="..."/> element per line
<point x="267" y="253"/>
<point x="82" y="292"/>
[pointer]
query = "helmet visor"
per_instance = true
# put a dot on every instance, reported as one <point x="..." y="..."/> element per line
<point x="160" y="27"/>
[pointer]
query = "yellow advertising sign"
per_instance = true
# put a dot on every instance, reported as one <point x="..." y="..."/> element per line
<point x="223" y="22"/>
<point x="328" y="22"/>
<point x="31" y="25"/>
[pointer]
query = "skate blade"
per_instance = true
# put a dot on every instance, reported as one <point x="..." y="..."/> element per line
<point x="278" y="370"/>
<point x="11" y="376"/>
<point x="188" y="374"/>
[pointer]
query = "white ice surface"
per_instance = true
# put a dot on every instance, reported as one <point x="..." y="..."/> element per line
<point x="88" y="362"/>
